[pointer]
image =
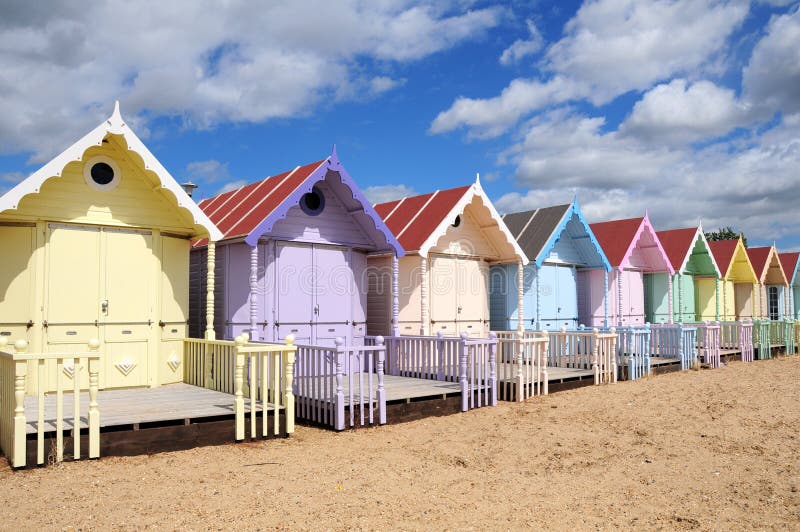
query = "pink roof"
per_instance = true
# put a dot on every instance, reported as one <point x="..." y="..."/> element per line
<point x="677" y="243"/>
<point x="723" y="251"/>
<point x="615" y="237"/>
<point x="415" y="218"/>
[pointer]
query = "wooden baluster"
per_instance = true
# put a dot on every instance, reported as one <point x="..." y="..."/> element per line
<point x="339" y="418"/>
<point x="76" y="408"/>
<point x="518" y="361"/>
<point x="93" y="417"/>
<point x="595" y="354"/>
<point x="613" y="354"/>
<point x="493" y="369"/>
<point x="379" y="341"/>
<point x="238" y="384"/>
<point x="210" y="265"/>
<point x="440" y="353"/>
<point x="60" y="410"/>
<point x="288" y="395"/>
<point x="462" y="374"/>
<point x="42" y="385"/>
<point x="253" y="389"/>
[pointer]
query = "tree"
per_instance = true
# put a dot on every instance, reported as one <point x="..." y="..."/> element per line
<point x="726" y="233"/>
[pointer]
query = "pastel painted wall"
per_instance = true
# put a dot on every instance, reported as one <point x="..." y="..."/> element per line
<point x="657" y="298"/>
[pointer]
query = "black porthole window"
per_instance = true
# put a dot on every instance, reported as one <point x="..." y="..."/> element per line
<point x="313" y="202"/>
<point x="102" y="173"/>
<point x="457" y="221"/>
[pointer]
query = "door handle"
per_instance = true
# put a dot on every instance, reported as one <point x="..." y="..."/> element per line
<point x="316" y="310"/>
<point x="104" y="306"/>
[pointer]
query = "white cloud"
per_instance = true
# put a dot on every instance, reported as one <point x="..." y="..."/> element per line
<point x="206" y="64"/>
<point x="772" y="77"/>
<point x="231" y="185"/>
<point x="610" y="47"/>
<point x="383" y="193"/>
<point x="678" y="113"/>
<point x="211" y="171"/>
<point x="752" y="187"/>
<point x="522" y="48"/>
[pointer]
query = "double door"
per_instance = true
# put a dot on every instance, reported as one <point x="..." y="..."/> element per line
<point x="458" y="295"/>
<point x="319" y="294"/>
<point x="558" y="299"/>
<point x="99" y="283"/>
<point x="632" y="286"/>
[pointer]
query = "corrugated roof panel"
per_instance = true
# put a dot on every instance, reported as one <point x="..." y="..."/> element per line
<point x="251" y="198"/>
<point x="403" y="214"/>
<point x="516" y="222"/>
<point x="615" y="237"/>
<point x="545" y="222"/>
<point x="758" y="258"/>
<point x="723" y="251"/>
<point x="430" y="217"/>
<point x="789" y="263"/>
<point x="385" y="209"/>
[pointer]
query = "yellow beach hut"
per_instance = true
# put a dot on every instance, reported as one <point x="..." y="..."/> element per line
<point x="96" y="246"/>
<point x="736" y="294"/>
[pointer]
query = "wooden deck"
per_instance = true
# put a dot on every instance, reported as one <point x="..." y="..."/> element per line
<point x="137" y="407"/>
<point x="397" y="388"/>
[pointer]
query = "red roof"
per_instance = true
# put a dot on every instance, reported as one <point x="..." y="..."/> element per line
<point x="413" y="219"/>
<point x="758" y="258"/>
<point x="789" y="263"/>
<point x="615" y="237"/>
<point x="238" y="212"/>
<point x="723" y="251"/>
<point x="677" y="244"/>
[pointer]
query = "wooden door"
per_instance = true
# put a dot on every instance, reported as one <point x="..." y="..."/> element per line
<point x="686" y="304"/>
<point x="127" y="307"/>
<point x="358" y="263"/>
<point x="72" y="294"/>
<point x="16" y="281"/>
<point x="743" y="298"/>
<point x="174" y="307"/>
<point x="293" y="291"/>
<point x="633" y="298"/>
<point x="548" y="297"/>
<point x="472" y="297"/>
<point x="442" y="294"/>
<point x="566" y="297"/>
<point x="333" y="286"/>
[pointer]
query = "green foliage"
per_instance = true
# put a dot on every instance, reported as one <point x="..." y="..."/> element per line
<point x="726" y="233"/>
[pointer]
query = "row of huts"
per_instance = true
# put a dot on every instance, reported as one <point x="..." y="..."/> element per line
<point x="102" y="246"/>
<point x="102" y="242"/>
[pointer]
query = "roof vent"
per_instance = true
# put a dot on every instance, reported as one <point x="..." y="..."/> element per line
<point x="189" y="187"/>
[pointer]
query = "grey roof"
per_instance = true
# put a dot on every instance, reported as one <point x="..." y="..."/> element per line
<point x="533" y="229"/>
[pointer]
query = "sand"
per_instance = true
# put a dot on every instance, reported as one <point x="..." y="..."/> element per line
<point x="709" y="449"/>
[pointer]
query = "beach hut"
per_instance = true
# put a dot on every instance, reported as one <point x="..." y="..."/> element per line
<point x="559" y="243"/>
<point x="693" y="283"/>
<point x="791" y="264"/>
<point x="96" y="247"/>
<point x="735" y="294"/>
<point x="772" y="286"/>
<point x="451" y="238"/>
<point x="292" y="258"/>
<point x="633" y="250"/>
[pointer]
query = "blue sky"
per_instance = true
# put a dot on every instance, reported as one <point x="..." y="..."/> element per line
<point x="689" y="110"/>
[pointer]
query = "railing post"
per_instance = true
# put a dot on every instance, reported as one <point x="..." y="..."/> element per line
<point x="20" y="372"/>
<point x="493" y="368"/>
<point x="93" y="417"/>
<point x="381" y="396"/>
<point x="595" y="354"/>
<point x="462" y="372"/>
<point x="339" y="419"/>
<point x="521" y="385"/>
<point x="288" y="393"/>
<point x="613" y="354"/>
<point x="238" y="384"/>
<point x="440" y="353"/>
<point x="544" y="359"/>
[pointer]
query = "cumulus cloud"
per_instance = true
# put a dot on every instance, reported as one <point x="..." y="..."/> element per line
<point x="609" y="47"/>
<point x="753" y="188"/>
<point x="205" y="64"/>
<point x="522" y="48"/>
<point x="772" y="77"/>
<point x="677" y="112"/>
<point x="211" y="171"/>
<point x="382" y="193"/>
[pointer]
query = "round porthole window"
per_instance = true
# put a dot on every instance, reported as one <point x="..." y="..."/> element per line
<point x="457" y="221"/>
<point x="313" y="202"/>
<point x="101" y="173"/>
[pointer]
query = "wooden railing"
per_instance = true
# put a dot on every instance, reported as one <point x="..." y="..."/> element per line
<point x="796" y="336"/>
<point x="468" y="361"/>
<point x="762" y="341"/>
<point x="675" y="341"/>
<point x="633" y="350"/>
<point x="341" y="386"/>
<point x="737" y="335"/>
<point x="522" y="364"/>
<point x="260" y="372"/>
<point x="14" y="381"/>
<point x="781" y="333"/>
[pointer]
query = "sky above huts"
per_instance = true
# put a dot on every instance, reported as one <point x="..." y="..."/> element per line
<point x="690" y="110"/>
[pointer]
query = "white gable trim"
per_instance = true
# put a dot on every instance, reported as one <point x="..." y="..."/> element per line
<point x="115" y="125"/>
<point x="475" y="190"/>
<point x="699" y="235"/>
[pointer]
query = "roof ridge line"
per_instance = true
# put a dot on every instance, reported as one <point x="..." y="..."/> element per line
<point x="254" y="207"/>
<point x="413" y="218"/>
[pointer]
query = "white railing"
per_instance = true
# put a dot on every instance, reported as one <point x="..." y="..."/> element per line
<point x="737" y="336"/>
<point x="341" y="386"/>
<point x="14" y="381"/>
<point x="262" y="373"/>
<point x="674" y="340"/>
<point x="522" y="364"/>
